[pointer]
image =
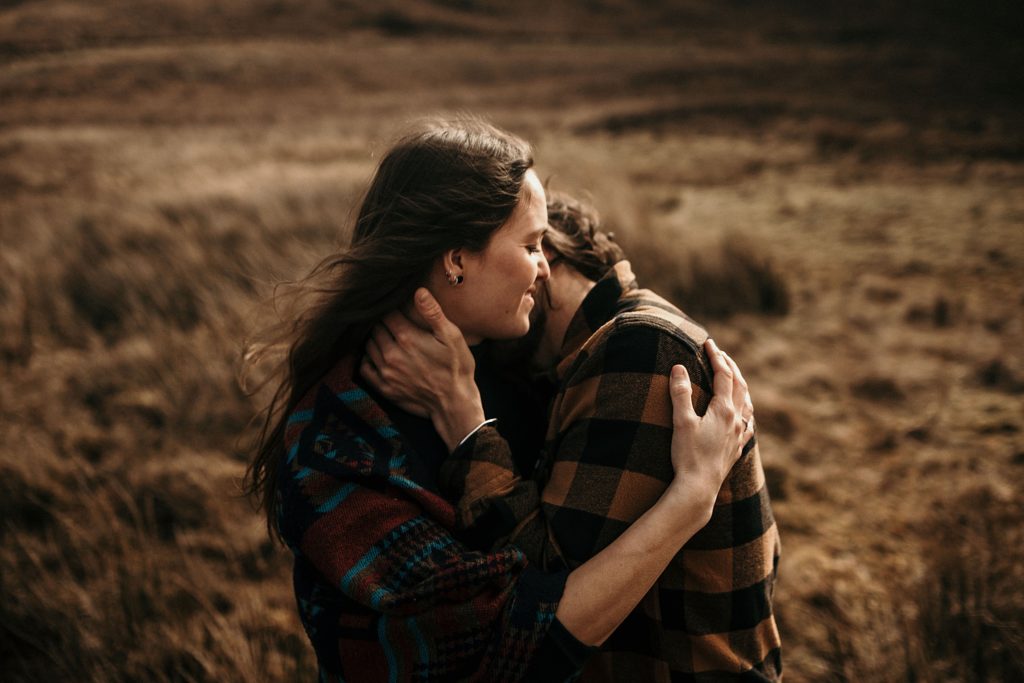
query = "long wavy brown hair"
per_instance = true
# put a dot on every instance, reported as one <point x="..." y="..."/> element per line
<point x="449" y="184"/>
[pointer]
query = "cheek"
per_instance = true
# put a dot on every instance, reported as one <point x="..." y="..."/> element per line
<point x="510" y="301"/>
<point x="508" y="279"/>
<point x="523" y="271"/>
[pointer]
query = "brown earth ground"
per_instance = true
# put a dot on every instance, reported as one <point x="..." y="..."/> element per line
<point x="836" y="191"/>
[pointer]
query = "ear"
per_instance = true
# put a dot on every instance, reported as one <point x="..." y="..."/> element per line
<point x="452" y="261"/>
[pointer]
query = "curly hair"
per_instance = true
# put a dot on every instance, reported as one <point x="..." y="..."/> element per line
<point x="576" y="237"/>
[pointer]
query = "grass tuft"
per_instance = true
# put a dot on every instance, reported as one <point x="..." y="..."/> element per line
<point x="713" y="278"/>
<point x="973" y="591"/>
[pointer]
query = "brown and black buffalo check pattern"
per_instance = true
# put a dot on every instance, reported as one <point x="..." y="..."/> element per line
<point x="606" y="460"/>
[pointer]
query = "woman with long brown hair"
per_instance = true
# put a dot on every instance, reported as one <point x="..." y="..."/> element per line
<point x="386" y="587"/>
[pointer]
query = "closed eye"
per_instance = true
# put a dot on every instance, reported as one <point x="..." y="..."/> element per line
<point x="536" y="241"/>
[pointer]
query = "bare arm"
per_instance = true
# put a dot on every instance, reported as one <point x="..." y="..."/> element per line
<point x="602" y="591"/>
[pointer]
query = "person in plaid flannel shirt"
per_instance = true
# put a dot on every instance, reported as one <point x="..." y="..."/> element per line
<point x="386" y="582"/>
<point x="709" y="617"/>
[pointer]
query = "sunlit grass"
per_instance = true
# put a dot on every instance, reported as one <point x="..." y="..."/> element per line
<point x="856" y="252"/>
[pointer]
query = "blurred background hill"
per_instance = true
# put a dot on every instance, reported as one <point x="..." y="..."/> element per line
<point x="834" y="188"/>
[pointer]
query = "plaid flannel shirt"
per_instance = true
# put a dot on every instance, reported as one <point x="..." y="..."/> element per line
<point x="385" y="590"/>
<point x="709" y="616"/>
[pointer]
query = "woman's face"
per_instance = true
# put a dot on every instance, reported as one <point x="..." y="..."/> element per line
<point x="497" y="294"/>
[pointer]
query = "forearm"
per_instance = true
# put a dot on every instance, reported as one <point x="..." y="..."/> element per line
<point x="492" y="502"/>
<point x="600" y="593"/>
<point x="491" y="609"/>
<point x="589" y="439"/>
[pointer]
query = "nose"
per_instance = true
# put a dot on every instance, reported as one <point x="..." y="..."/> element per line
<point x="543" y="267"/>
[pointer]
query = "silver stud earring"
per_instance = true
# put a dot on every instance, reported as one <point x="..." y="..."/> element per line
<point x="453" y="280"/>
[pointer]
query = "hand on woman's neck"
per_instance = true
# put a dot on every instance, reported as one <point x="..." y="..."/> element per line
<point x="413" y="314"/>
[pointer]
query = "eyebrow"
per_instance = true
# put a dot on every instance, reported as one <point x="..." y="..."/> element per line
<point x="537" y="233"/>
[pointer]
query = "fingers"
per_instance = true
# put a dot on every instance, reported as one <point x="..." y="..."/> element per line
<point x="379" y="345"/>
<point x="402" y="342"/>
<point x="431" y="311"/>
<point x="370" y="372"/>
<point x="398" y="325"/>
<point x="373" y="352"/>
<point x="747" y="409"/>
<point x="741" y="400"/>
<point x="374" y="376"/>
<point x="681" y="392"/>
<point x="723" y="373"/>
<point x="748" y="431"/>
<point x="740" y="393"/>
<point x="373" y="358"/>
<point x="731" y="403"/>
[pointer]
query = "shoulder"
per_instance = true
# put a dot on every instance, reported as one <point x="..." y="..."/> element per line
<point x="629" y="360"/>
<point x="648" y="335"/>
<point x="344" y="457"/>
<point x="644" y="308"/>
<point x="341" y="431"/>
<point x="338" y="443"/>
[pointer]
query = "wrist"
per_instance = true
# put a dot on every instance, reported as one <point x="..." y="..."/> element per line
<point x="690" y="500"/>
<point x="473" y="432"/>
<point x="457" y="416"/>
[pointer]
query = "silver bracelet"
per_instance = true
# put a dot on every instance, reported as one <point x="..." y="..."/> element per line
<point x="474" y="431"/>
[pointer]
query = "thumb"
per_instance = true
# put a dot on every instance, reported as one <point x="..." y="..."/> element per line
<point x="428" y="307"/>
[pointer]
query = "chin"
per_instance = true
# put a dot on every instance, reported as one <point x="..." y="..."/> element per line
<point x="518" y="332"/>
<point x="511" y="332"/>
<point x="525" y="325"/>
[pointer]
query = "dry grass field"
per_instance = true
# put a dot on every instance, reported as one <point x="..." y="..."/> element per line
<point x="838" y="191"/>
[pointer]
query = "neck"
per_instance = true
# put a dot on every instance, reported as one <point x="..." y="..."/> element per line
<point x="567" y="288"/>
<point x="413" y="314"/>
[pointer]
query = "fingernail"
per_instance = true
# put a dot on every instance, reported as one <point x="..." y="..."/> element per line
<point x="422" y="295"/>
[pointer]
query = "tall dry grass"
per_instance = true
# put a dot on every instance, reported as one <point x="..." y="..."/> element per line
<point x="128" y="550"/>
<point x="971" y="592"/>
<point x="834" y="188"/>
<point x="712" y="277"/>
<point x="128" y="553"/>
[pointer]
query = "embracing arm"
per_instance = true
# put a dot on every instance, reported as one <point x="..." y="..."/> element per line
<point x="602" y="591"/>
<point x="620" y="574"/>
<point x="383" y="586"/>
